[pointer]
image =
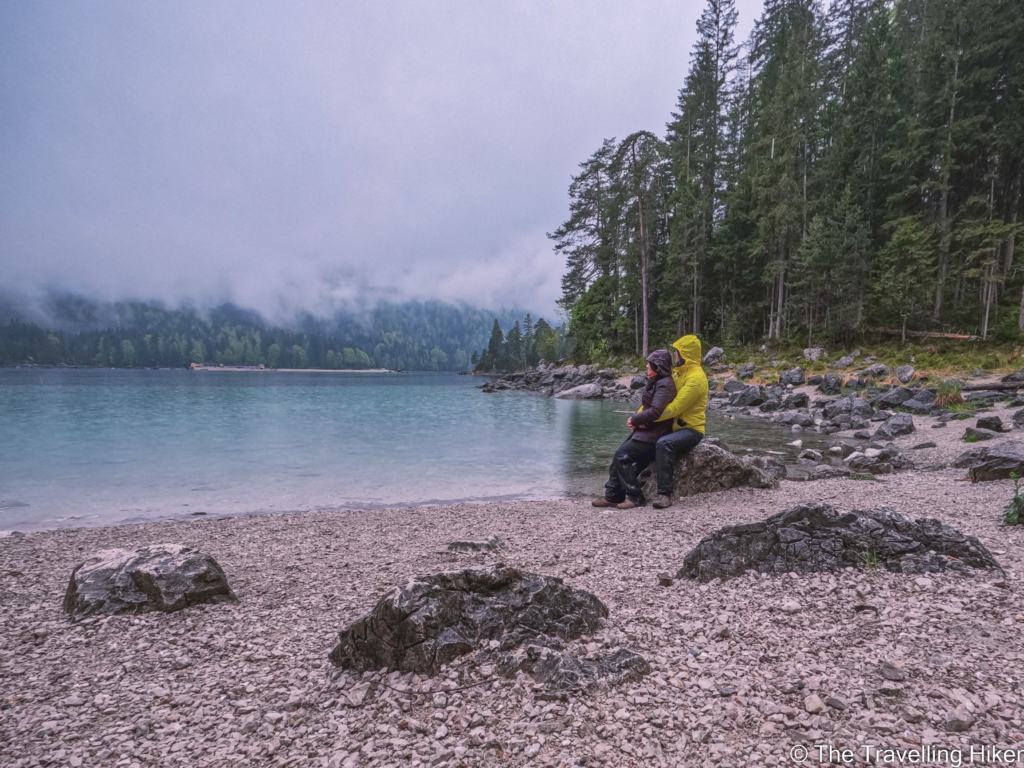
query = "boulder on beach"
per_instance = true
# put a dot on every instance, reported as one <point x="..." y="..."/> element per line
<point x="431" y="620"/>
<point x="794" y="377"/>
<point x="160" y="577"/>
<point x="899" y="424"/>
<point x="813" y="538"/>
<point x="905" y="374"/>
<point x="590" y="391"/>
<point x="814" y="354"/>
<point x="749" y="396"/>
<point x="996" y="463"/>
<point x="830" y="384"/>
<point x="709" y="468"/>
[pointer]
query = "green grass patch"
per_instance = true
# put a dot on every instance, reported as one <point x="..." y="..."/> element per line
<point x="971" y="439"/>
<point x="859" y="476"/>
<point x="959" y="407"/>
<point x="963" y="416"/>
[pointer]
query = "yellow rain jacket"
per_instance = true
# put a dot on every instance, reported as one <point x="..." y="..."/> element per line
<point x="691" y="400"/>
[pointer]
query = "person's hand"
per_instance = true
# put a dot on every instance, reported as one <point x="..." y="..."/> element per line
<point x="629" y="423"/>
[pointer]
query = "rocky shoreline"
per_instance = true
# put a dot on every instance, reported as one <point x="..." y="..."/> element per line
<point x="698" y="655"/>
<point x="741" y="670"/>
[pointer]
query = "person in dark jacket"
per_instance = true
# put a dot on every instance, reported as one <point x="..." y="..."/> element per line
<point x="624" y="489"/>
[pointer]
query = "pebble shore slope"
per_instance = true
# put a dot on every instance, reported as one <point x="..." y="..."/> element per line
<point x="743" y="671"/>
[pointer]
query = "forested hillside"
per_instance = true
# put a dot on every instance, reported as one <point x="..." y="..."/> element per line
<point x="428" y="336"/>
<point x="849" y="167"/>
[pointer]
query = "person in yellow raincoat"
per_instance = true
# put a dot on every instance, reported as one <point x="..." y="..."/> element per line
<point x="687" y="411"/>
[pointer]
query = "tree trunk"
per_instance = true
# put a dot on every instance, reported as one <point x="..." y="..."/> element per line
<point x="944" y="238"/>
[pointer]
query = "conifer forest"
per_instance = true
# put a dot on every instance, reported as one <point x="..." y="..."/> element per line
<point x="851" y="168"/>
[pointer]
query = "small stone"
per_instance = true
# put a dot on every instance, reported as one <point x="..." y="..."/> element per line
<point x="893" y="670"/>
<point x="181" y="662"/>
<point x="440" y="701"/>
<point x="814" y="704"/>
<point x="791" y="607"/>
<point x="929" y="444"/>
<point x="959" y="720"/>
<point x="273" y="718"/>
<point x="836" y="703"/>
<point x="74" y="701"/>
<point x="441" y="732"/>
<point x="665" y="579"/>
<point x="532" y="749"/>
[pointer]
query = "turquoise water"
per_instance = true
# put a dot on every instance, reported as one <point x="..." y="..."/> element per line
<point x="96" y="447"/>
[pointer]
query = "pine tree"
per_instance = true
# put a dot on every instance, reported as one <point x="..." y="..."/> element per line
<point x="496" y="347"/>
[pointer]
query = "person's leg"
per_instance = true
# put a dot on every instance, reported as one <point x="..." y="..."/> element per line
<point x="614" y="493"/>
<point x="670" y="448"/>
<point x="630" y="460"/>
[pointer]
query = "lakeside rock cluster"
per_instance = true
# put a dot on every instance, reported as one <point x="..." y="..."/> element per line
<point x="572" y="382"/>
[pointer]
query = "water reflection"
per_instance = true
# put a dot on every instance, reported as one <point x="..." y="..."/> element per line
<point x="594" y="429"/>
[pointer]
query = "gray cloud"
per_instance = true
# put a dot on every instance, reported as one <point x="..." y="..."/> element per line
<point x="300" y="155"/>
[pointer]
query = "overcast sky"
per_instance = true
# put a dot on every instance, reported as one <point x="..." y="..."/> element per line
<point x="295" y="155"/>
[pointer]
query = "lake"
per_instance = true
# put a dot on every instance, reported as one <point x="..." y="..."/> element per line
<point x="84" y="447"/>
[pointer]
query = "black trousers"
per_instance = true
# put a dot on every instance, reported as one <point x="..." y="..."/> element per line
<point x="630" y="459"/>
<point x="669" y="449"/>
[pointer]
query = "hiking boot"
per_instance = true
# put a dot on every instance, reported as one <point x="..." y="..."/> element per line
<point x="661" y="501"/>
<point x="602" y="503"/>
<point x="627" y="504"/>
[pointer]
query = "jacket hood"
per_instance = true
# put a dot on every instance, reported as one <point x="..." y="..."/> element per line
<point x="661" y="360"/>
<point x="688" y="348"/>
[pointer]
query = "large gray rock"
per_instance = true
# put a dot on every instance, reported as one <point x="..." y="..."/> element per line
<point x="831" y="385"/>
<point x="993" y="423"/>
<point x="752" y="395"/>
<point x="590" y="391"/>
<point x="714" y="356"/>
<point x="893" y="398"/>
<point x="994" y="463"/>
<point x="732" y="385"/>
<point x="905" y="374"/>
<point x="899" y="424"/>
<point x="160" y="577"/>
<point x="431" y="620"/>
<point x="745" y="371"/>
<point x="875" y="461"/>
<point x="814" y="354"/>
<point x="815" y="537"/>
<point x="796" y="400"/>
<point x="708" y="469"/>
<point x="843" y="362"/>
<point x="794" y="377"/>
<point x="877" y="371"/>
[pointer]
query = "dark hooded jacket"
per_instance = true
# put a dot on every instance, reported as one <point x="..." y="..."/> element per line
<point x="658" y="392"/>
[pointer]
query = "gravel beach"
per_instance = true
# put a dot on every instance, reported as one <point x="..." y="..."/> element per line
<point x="743" y="671"/>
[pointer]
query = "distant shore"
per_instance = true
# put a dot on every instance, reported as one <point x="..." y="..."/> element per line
<point x="290" y="370"/>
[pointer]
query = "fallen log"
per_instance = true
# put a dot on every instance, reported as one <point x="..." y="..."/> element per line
<point x="926" y="334"/>
<point x="980" y="387"/>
